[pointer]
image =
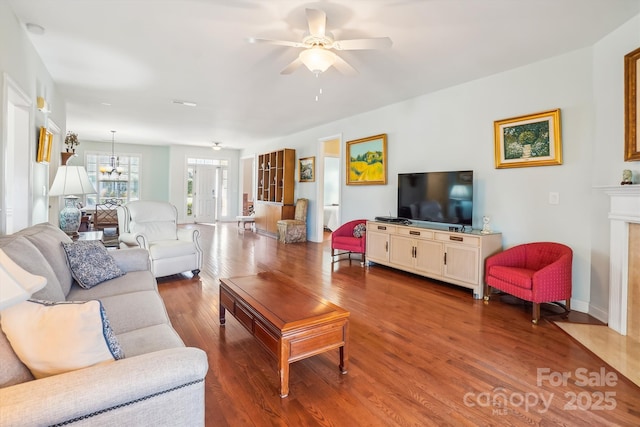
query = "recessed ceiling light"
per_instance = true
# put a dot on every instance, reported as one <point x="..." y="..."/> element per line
<point x="187" y="103"/>
<point x="34" y="28"/>
<point x="106" y="104"/>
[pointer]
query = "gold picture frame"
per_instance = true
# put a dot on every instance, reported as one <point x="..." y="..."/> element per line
<point x="531" y="140"/>
<point x="631" y="106"/>
<point x="367" y="160"/>
<point x="45" y="141"/>
<point x="307" y="169"/>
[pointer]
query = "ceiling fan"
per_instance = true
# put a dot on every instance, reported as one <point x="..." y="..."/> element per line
<point x="318" y="45"/>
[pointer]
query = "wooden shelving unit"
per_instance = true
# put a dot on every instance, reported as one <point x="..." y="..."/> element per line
<point x="275" y="198"/>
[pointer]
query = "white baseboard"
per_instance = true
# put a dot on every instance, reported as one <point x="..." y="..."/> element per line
<point x="581" y="306"/>
<point x="602" y="314"/>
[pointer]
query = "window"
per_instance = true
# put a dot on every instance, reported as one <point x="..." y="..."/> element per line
<point x="121" y="184"/>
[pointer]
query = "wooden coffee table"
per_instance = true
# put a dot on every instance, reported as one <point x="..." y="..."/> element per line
<point x="291" y="323"/>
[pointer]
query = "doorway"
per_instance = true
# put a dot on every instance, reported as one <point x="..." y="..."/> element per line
<point x="207" y="190"/>
<point x="328" y="189"/>
<point x="15" y="203"/>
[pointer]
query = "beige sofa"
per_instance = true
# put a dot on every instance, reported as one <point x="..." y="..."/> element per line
<point x="158" y="382"/>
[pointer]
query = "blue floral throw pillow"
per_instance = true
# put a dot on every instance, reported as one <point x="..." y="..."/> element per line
<point x="90" y="263"/>
<point x="359" y="230"/>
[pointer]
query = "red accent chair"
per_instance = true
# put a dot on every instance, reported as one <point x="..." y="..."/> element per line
<point x="344" y="241"/>
<point x="538" y="272"/>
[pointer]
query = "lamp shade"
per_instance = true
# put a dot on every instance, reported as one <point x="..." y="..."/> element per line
<point x="71" y="180"/>
<point x="317" y="59"/>
<point x="16" y="284"/>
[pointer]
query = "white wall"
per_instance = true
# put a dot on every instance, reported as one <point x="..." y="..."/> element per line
<point x="21" y="63"/>
<point x="453" y="129"/>
<point x="608" y="149"/>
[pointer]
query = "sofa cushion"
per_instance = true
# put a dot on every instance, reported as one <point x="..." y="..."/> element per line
<point x="55" y="337"/>
<point x="47" y="238"/>
<point x="27" y="256"/>
<point x="13" y="371"/>
<point x="90" y="263"/>
<point x="149" y="339"/>
<point x="171" y="249"/>
<point x="134" y="281"/>
<point x="135" y="310"/>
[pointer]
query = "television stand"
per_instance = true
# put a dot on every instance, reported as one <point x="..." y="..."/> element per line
<point x="450" y="256"/>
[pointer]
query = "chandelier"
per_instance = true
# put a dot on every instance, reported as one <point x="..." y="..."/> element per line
<point x="114" y="161"/>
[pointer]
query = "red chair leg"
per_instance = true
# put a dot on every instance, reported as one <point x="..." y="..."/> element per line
<point x="536" y="313"/>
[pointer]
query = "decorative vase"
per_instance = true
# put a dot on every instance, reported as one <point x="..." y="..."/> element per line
<point x="70" y="215"/>
<point x="65" y="156"/>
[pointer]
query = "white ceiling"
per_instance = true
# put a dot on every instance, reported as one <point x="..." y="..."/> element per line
<point x="140" y="55"/>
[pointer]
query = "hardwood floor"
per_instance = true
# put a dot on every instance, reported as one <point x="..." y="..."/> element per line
<point x="421" y="353"/>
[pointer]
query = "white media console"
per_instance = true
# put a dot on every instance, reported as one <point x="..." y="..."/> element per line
<point x="450" y="256"/>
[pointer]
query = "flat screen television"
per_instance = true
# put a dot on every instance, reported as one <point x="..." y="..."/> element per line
<point x="441" y="197"/>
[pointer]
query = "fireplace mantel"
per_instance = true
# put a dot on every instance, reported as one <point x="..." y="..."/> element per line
<point x="624" y="209"/>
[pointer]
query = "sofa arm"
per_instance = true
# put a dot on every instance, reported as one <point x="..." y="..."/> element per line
<point x="136" y="259"/>
<point x="103" y="390"/>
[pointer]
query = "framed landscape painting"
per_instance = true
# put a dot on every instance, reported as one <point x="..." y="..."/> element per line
<point x="307" y="169"/>
<point x="532" y="140"/>
<point x="367" y="160"/>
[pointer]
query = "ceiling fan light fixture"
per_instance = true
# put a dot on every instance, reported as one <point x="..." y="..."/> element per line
<point x="317" y="59"/>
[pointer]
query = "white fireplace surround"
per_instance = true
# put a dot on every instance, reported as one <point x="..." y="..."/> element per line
<point x="624" y="209"/>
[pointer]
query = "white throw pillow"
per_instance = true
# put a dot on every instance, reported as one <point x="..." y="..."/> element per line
<point x="55" y="337"/>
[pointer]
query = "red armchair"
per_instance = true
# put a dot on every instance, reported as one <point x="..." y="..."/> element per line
<point x="538" y="272"/>
<point x="344" y="240"/>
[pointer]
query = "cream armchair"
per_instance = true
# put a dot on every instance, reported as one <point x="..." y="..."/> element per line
<point x="153" y="226"/>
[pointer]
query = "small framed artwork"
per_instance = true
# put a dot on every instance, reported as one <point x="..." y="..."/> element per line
<point x="307" y="168"/>
<point x="45" y="141"/>
<point x="632" y="106"/>
<point x="367" y="161"/>
<point x="532" y="140"/>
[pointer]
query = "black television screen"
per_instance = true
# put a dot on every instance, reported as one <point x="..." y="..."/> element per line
<point x="444" y="197"/>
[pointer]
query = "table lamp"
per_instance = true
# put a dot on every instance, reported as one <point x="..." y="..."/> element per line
<point x="16" y="284"/>
<point x="69" y="182"/>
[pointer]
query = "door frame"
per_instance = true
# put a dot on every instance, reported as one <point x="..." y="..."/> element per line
<point x="319" y="231"/>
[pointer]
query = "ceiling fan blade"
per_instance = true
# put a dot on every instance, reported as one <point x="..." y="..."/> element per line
<point x="254" y="40"/>
<point x="292" y="66"/>
<point x="344" y="67"/>
<point x="317" y="22"/>
<point x="361" y="44"/>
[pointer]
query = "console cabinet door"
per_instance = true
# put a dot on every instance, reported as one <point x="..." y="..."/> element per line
<point x="429" y="257"/>
<point x="402" y="251"/>
<point x="461" y="263"/>
<point x="377" y="246"/>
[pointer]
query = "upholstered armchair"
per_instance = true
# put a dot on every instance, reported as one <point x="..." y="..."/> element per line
<point x="349" y="238"/>
<point x="539" y="272"/>
<point x="294" y="230"/>
<point x="153" y="226"/>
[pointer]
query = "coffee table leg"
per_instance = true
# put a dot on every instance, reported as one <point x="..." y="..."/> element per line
<point x="344" y="350"/>
<point x="222" y="314"/>
<point x="283" y="368"/>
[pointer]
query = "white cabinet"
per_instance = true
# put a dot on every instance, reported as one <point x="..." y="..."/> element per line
<point x="452" y="257"/>
<point x="378" y="242"/>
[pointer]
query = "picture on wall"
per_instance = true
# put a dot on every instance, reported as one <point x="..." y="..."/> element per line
<point x="367" y="160"/>
<point x="632" y="106"/>
<point x="307" y="169"/>
<point x="532" y="140"/>
<point x="45" y="141"/>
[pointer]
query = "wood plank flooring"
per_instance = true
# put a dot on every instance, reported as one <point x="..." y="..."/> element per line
<point x="422" y="353"/>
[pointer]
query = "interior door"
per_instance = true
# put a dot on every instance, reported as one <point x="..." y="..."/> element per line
<point x="205" y="197"/>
